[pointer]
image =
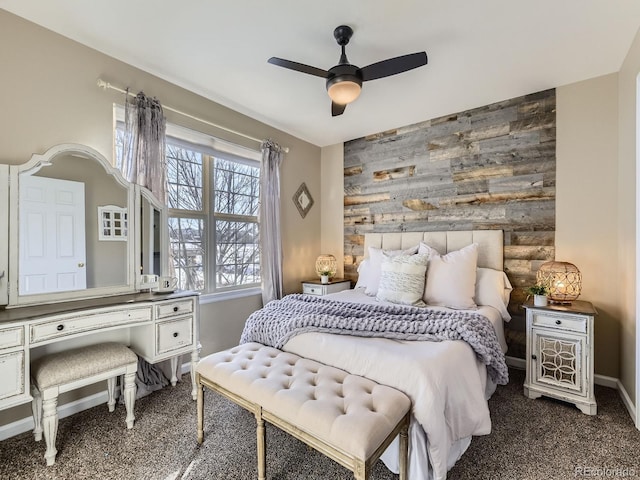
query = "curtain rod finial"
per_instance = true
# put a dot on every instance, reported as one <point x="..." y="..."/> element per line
<point x="102" y="84"/>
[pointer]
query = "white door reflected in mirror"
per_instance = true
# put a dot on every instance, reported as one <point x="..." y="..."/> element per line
<point x="52" y="235"/>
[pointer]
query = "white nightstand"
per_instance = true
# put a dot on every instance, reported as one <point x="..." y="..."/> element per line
<point x="560" y="353"/>
<point x="314" y="287"/>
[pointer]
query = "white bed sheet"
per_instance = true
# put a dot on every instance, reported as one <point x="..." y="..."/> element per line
<point x="447" y="384"/>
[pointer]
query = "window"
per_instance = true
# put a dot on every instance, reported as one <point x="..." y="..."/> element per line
<point x="212" y="196"/>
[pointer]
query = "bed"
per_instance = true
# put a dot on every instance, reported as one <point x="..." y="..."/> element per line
<point x="450" y="380"/>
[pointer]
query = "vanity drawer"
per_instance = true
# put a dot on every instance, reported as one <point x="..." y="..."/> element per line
<point x="11" y="337"/>
<point x="572" y="323"/>
<point x="174" y="334"/>
<point x="12" y="374"/>
<point x="171" y="309"/>
<point x="88" y="321"/>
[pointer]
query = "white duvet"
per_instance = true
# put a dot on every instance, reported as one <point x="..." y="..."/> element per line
<point x="446" y="383"/>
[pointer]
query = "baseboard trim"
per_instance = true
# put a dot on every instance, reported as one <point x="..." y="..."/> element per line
<point x="516" y="362"/>
<point x="25" y="424"/>
<point x="606" y="381"/>
<point x="626" y="399"/>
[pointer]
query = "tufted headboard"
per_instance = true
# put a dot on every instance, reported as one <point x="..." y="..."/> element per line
<point x="490" y="243"/>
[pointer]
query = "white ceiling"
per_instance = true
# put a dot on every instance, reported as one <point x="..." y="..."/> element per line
<point x="480" y="51"/>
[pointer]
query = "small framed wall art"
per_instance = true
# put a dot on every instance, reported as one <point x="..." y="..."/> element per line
<point x="303" y="200"/>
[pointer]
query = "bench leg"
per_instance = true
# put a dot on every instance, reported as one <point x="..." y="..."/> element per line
<point x="130" y="396"/>
<point x="36" y="409"/>
<point x="361" y="472"/>
<point x="404" y="450"/>
<point x="111" y="393"/>
<point x="50" y="423"/>
<point x="262" y="445"/>
<point x="200" y="408"/>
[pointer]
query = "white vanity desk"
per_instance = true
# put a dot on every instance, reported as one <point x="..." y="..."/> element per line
<point x="75" y="240"/>
<point x="161" y="327"/>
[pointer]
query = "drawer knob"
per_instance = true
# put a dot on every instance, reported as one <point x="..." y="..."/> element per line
<point x="175" y="334"/>
<point x="558" y="322"/>
<point x="60" y="328"/>
<point x="175" y="309"/>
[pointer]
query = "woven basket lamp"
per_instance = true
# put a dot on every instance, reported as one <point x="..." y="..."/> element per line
<point x="562" y="279"/>
<point x="326" y="264"/>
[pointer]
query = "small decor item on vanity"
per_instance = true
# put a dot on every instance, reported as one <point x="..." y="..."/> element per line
<point x="167" y="284"/>
<point x="148" y="282"/>
<point x="326" y="267"/>
<point x="539" y="293"/>
<point x="562" y="279"/>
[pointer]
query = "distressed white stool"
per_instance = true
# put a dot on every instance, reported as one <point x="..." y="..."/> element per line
<point x="348" y="418"/>
<point x="64" y="371"/>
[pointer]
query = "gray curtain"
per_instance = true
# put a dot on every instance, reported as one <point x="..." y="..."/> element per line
<point x="144" y="163"/>
<point x="270" y="239"/>
<point x="143" y="159"/>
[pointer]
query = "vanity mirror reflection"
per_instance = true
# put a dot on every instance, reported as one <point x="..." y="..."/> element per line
<point x="78" y="229"/>
<point x="153" y="245"/>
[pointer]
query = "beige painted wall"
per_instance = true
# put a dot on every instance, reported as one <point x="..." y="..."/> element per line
<point x="586" y="202"/>
<point x="628" y="215"/>
<point x="49" y="96"/>
<point x="332" y="208"/>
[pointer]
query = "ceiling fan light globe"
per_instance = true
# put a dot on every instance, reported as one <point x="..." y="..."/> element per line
<point x="344" y="92"/>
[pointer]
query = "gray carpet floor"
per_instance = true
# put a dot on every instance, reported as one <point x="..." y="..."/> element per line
<point x="531" y="440"/>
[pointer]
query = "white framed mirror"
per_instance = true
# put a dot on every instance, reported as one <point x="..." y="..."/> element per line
<point x="56" y="250"/>
<point x="4" y="234"/>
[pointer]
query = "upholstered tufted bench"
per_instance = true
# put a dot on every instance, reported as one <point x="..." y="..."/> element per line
<point x="349" y="418"/>
<point x="63" y="371"/>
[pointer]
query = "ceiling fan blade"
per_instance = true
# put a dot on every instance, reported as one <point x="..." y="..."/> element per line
<point x="299" y="67"/>
<point x="392" y="66"/>
<point x="337" y="109"/>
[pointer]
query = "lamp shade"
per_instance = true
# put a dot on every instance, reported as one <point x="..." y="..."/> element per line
<point x="326" y="265"/>
<point x="562" y="279"/>
<point x="344" y="89"/>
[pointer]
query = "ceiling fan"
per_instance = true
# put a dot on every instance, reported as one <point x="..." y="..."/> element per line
<point x="344" y="81"/>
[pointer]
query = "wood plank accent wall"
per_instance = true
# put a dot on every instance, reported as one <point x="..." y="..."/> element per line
<point x="492" y="167"/>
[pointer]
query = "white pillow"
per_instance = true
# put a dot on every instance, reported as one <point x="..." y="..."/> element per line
<point x="374" y="269"/>
<point x="402" y="279"/>
<point x="363" y="273"/>
<point x="451" y="281"/>
<point x="493" y="289"/>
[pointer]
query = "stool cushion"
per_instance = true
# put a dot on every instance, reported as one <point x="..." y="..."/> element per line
<point x="351" y="413"/>
<point x="65" y="367"/>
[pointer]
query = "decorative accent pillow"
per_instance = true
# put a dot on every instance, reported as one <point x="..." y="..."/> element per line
<point x="451" y="281"/>
<point x="493" y="288"/>
<point x="402" y="279"/>
<point x="376" y="257"/>
<point x="363" y="274"/>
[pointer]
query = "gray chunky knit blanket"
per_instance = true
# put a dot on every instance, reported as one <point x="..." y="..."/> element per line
<point x="283" y="319"/>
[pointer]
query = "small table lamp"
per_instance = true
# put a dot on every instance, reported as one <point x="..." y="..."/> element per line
<point x="326" y="266"/>
<point x="562" y="279"/>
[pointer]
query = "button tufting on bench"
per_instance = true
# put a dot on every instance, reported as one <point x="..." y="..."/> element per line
<point x="358" y="418"/>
